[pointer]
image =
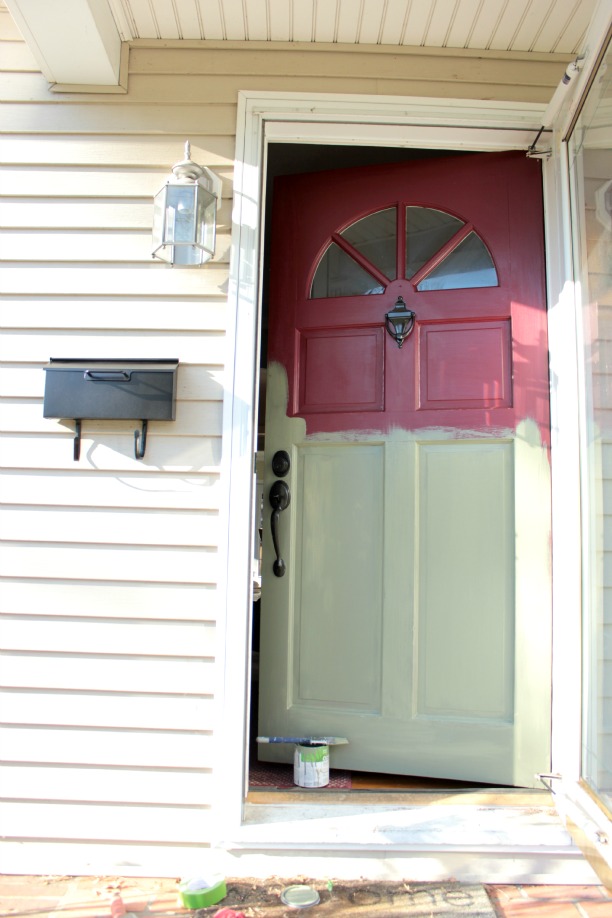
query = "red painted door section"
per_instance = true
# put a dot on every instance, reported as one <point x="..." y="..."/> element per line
<point x="414" y="615"/>
<point x="477" y="358"/>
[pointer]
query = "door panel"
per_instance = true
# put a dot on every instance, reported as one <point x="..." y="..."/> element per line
<point x="414" y="616"/>
<point x="465" y="365"/>
<point x="328" y="381"/>
<point x="346" y="674"/>
<point x="465" y="654"/>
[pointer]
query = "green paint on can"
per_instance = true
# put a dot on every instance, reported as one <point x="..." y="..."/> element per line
<point x="311" y="766"/>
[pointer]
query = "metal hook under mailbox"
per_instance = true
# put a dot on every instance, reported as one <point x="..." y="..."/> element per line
<point x="76" y="450"/>
<point x="139" y="448"/>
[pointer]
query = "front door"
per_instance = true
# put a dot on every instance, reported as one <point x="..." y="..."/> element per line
<point x="413" y="614"/>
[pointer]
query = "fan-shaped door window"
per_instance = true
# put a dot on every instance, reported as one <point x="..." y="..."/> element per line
<point x="440" y="251"/>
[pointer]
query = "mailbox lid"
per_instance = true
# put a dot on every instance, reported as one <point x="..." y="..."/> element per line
<point x="139" y="389"/>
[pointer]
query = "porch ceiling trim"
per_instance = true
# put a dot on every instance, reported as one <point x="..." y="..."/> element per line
<point x="81" y="45"/>
<point x="75" y="42"/>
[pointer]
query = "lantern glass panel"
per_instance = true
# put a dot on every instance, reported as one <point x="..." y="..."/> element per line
<point x="180" y="214"/>
<point x="159" y="212"/>
<point x="206" y="221"/>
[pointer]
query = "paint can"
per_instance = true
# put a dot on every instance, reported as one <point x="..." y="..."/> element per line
<point x="300" y="896"/>
<point x="311" y="766"/>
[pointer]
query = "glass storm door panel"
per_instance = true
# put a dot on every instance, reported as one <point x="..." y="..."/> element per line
<point x="414" y="615"/>
<point x="590" y="152"/>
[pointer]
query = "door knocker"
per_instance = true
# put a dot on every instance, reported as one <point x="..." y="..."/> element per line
<point x="400" y="321"/>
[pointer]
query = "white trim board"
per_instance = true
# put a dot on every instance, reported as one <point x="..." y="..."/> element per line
<point x="470" y="137"/>
<point x="264" y="118"/>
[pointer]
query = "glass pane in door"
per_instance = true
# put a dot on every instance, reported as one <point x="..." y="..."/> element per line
<point x="427" y="230"/>
<point x="375" y="237"/>
<point x="338" y="274"/>
<point x="468" y="265"/>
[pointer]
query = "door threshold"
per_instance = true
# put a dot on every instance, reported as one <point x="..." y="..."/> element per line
<point x="465" y="796"/>
<point x="371" y="788"/>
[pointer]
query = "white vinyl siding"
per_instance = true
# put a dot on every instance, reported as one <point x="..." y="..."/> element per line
<point x="109" y="565"/>
<point x="219" y="72"/>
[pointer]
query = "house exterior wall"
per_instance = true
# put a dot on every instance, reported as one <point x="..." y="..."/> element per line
<point x="108" y="604"/>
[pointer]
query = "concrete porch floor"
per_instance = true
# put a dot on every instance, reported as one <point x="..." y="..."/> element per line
<point x="92" y="897"/>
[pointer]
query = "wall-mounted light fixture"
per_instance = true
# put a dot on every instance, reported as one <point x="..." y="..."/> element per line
<point x="185" y="214"/>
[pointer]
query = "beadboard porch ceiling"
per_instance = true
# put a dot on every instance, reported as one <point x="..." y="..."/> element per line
<point x="502" y="25"/>
<point x="79" y="41"/>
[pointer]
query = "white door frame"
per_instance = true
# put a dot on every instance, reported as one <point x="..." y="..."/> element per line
<point x="265" y="118"/>
<point x="592" y="828"/>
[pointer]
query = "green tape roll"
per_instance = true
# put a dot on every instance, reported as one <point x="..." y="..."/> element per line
<point x="200" y="893"/>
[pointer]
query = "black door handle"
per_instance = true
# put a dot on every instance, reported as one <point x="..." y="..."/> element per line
<point x="280" y="498"/>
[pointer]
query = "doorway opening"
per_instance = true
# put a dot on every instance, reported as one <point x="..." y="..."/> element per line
<point x="286" y="159"/>
<point x="409" y="583"/>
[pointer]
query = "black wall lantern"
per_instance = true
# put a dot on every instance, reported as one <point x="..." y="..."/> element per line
<point x="400" y="321"/>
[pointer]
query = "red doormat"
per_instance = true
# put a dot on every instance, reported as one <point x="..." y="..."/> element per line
<point x="271" y="774"/>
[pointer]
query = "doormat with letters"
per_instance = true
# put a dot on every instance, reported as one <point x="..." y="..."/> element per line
<point x="271" y="774"/>
<point x="360" y="899"/>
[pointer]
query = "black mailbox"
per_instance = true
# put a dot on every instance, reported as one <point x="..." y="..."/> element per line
<point x="111" y="389"/>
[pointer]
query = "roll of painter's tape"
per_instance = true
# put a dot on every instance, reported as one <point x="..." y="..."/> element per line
<point x="200" y="893"/>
